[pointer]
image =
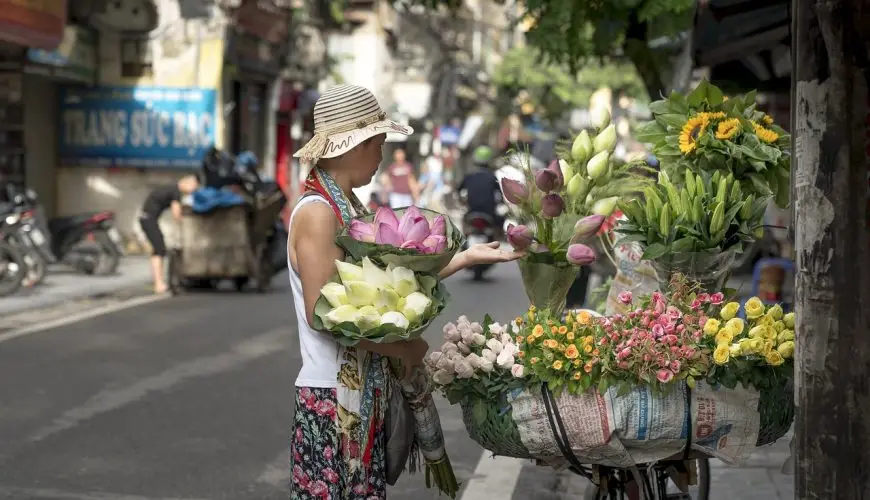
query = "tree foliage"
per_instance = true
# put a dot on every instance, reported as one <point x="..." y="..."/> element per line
<point x="553" y="88"/>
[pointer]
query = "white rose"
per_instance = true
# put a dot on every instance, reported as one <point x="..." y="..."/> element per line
<point x="518" y="371"/>
<point x="433" y="357"/>
<point x="485" y="365"/>
<point x="515" y="328"/>
<point x="463" y="348"/>
<point x="451" y="333"/>
<point x="463" y="320"/>
<point x="476" y="328"/>
<point x="449" y="348"/>
<point x="495" y="329"/>
<point x="464" y="369"/>
<point x="474" y="360"/>
<point x="494" y="345"/>
<point x="479" y="339"/>
<point x="506" y="338"/>
<point x="510" y="348"/>
<point x="505" y="360"/>
<point x="467" y="335"/>
<point x="446" y="364"/>
<point x="489" y="355"/>
<point x="442" y="377"/>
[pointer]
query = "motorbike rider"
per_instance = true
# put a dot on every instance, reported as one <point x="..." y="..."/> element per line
<point x="160" y="199"/>
<point x="480" y="187"/>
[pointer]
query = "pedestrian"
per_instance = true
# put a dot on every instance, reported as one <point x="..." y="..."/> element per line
<point x="160" y="199"/>
<point x="402" y="184"/>
<point x="338" y="444"/>
<point x="432" y="183"/>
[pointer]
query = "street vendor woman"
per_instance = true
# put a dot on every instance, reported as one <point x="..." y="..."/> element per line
<point x="338" y="442"/>
<point x="160" y="199"/>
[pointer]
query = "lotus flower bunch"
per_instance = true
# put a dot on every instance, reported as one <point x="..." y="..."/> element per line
<point x="412" y="230"/>
<point x="369" y="297"/>
<point x="472" y="351"/>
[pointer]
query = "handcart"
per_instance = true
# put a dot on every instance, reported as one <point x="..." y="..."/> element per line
<point x="228" y="243"/>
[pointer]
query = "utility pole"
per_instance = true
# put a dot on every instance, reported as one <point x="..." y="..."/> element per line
<point x="830" y="165"/>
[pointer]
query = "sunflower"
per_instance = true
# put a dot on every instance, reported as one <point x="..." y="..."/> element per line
<point x="692" y="130"/>
<point x="765" y="134"/>
<point x="718" y="115"/>
<point x="727" y="128"/>
<point x="767" y="120"/>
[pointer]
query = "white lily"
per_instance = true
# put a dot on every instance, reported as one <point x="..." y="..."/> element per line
<point x="335" y="294"/>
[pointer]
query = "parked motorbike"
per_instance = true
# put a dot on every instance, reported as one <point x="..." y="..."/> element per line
<point x="20" y="223"/>
<point x="88" y="242"/>
<point x="13" y="267"/>
<point x="479" y="228"/>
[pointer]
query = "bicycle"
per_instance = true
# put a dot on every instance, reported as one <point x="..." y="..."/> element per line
<point x="657" y="481"/>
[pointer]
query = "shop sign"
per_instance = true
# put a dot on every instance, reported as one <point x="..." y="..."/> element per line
<point x="74" y="59"/>
<point x="33" y="23"/>
<point x="136" y="126"/>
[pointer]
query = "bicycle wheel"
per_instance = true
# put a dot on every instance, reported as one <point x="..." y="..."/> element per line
<point x="699" y="491"/>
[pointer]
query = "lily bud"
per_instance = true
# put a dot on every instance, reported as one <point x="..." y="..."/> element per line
<point x="514" y="191"/>
<point x="598" y="165"/>
<point x="605" y="206"/>
<point x="582" y="147"/>
<point x="552" y="205"/>
<point x="577" y="186"/>
<point x="580" y="255"/>
<point x="605" y="141"/>
<point x="588" y="226"/>
<point x="548" y="180"/>
<point x="521" y="237"/>
<point x="601" y="117"/>
<point x="566" y="169"/>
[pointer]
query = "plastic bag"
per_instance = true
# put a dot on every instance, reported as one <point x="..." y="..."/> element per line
<point x="547" y="284"/>
<point x="710" y="269"/>
<point x="632" y="275"/>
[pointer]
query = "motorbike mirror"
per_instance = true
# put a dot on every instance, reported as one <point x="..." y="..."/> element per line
<point x="31" y="194"/>
<point x="19" y="199"/>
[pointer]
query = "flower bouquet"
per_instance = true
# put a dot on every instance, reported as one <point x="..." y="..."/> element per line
<point x="680" y="369"/>
<point x="368" y="302"/>
<point x="566" y="203"/>
<point x="722" y="160"/>
<point x="417" y="239"/>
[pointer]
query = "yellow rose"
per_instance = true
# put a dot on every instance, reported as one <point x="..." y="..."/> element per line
<point x="769" y="345"/>
<point x="785" y="336"/>
<point x="722" y="354"/>
<point x="569" y="336"/>
<point x="729" y="310"/>
<point x="779" y="326"/>
<point x="756" y="345"/>
<point x="735" y="349"/>
<point x="775" y="312"/>
<point x="788" y="319"/>
<point x="754" y="308"/>
<point x="774" y="358"/>
<point x="724" y="336"/>
<point x="735" y="326"/>
<point x="757" y="332"/>
<point x="571" y="352"/>
<point x="557" y="365"/>
<point x="711" y="327"/>
<point x="745" y="346"/>
<point x="786" y="349"/>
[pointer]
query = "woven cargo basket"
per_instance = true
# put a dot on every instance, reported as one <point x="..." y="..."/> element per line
<point x="490" y="424"/>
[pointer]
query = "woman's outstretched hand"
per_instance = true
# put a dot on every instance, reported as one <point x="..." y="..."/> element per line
<point x="484" y="253"/>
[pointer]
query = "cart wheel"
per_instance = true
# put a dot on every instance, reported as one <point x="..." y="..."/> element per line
<point x="176" y="282"/>
<point x="264" y="270"/>
<point x="240" y="283"/>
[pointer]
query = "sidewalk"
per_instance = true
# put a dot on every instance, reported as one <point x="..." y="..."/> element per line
<point x="62" y="284"/>
<point x="760" y="478"/>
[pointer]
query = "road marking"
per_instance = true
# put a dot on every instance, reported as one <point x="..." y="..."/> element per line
<point x="13" y="492"/>
<point x="277" y="473"/>
<point x="114" y="399"/>
<point x="75" y="318"/>
<point x="494" y="477"/>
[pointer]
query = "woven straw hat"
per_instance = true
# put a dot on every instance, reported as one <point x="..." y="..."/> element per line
<point x="344" y="117"/>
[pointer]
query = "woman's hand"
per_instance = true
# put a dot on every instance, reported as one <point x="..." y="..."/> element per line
<point x="484" y="253"/>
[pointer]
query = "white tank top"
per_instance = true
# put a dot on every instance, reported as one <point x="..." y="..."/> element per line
<point x="320" y="353"/>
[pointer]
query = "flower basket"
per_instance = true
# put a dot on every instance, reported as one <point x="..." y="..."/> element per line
<point x="547" y="284"/>
<point x="492" y="427"/>
<point x="710" y="269"/>
<point x="777" y="411"/>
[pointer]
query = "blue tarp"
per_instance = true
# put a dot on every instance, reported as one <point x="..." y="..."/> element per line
<point x="207" y="199"/>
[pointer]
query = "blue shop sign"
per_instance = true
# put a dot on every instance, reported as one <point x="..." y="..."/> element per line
<point x="136" y="126"/>
<point x="449" y="135"/>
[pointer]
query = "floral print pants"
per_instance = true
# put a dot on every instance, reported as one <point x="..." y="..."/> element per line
<point x="321" y="462"/>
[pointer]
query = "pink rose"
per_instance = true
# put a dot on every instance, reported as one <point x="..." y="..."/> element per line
<point x="675" y="366"/>
<point x="658" y="330"/>
<point x="664" y="376"/>
<point x="704" y="297"/>
<point x="717" y="298"/>
<point x="319" y="489"/>
<point x="330" y="475"/>
<point x="696" y="304"/>
<point x="624" y="297"/>
<point x="674" y="313"/>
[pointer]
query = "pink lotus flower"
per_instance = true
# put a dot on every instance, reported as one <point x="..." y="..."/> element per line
<point x="514" y="191"/>
<point x="580" y="255"/>
<point x="362" y="231"/>
<point x="552" y="205"/>
<point x="387" y="235"/>
<point x="521" y="237"/>
<point x="588" y="226"/>
<point x="439" y="226"/>
<point x="434" y="244"/>
<point x="387" y="216"/>
<point x="548" y="180"/>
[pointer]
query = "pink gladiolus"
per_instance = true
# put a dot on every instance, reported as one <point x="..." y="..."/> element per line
<point x="514" y="191"/>
<point x="434" y="244"/>
<point x="552" y="205"/>
<point x="387" y="234"/>
<point x="664" y="376"/>
<point x="547" y="180"/>
<point x="580" y="255"/>
<point x="439" y="226"/>
<point x="588" y="226"/>
<point x="520" y="237"/>
<point x="362" y="231"/>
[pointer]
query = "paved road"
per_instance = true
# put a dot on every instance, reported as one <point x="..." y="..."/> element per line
<point x="185" y="398"/>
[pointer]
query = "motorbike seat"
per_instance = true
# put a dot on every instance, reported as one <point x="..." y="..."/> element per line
<point x="59" y="224"/>
<point x="471" y="216"/>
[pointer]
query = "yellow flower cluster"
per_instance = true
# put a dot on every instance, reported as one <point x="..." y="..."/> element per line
<point x="769" y="333"/>
<point x="558" y="350"/>
<point x="726" y="129"/>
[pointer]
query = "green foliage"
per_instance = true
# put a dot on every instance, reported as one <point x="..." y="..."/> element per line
<point x="553" y="88"/>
